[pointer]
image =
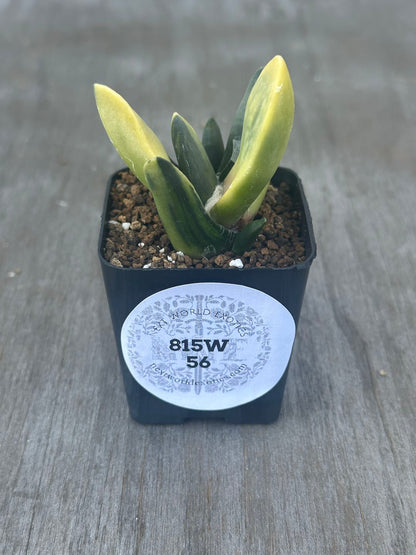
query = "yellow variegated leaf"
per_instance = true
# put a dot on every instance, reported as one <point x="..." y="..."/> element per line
<point x="131" y="136"/>
<point x="267" y="125"/>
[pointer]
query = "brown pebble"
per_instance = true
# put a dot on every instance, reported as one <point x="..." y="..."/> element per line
<point x="116" y="262"/>
<point x="128" y="203"/>
<point x="121" y="187"/>
<point x="272" y="245"/>
<point x="220" y="259"/>
<point x="136" y="225"/>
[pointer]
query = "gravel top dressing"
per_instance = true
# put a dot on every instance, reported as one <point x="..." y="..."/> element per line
<point x="135" y="237"/>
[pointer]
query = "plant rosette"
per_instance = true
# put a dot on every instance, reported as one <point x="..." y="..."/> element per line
<point x="206" y="331"/>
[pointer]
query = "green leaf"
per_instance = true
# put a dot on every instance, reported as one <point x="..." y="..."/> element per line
<point x="189" y="227"/>
<point x="247" y="236"/>
<point x="267" y="125"/>
<point x="133" y="139"/>
<point x="236" y="129"/>
<point x="213" y="144"/>
<point x="192" y="158"/>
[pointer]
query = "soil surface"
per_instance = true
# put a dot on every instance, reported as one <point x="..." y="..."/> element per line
<point x="135" y="238"/>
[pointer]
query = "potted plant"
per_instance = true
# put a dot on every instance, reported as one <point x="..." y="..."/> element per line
<point x="205" y="260"/>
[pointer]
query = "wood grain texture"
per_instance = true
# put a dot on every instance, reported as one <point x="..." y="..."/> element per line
<point x="336" y="473"/>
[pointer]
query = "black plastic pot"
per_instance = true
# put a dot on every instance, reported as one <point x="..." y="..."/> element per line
<point x="126" y="288"/>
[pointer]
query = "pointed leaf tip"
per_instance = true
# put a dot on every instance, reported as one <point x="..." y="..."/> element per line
<point x="267" y="124"/>
<point x="236" y="128"/>
<point x="247" y="236"/>
<point x="192" y="158"/>
<point x="213" y="143"/>
<point x="131" y="136"/>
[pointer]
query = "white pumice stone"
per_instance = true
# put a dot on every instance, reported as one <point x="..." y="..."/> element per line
<point x="236" y="263"/>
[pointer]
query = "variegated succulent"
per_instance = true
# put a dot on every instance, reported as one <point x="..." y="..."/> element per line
<point x="208" y="199"/>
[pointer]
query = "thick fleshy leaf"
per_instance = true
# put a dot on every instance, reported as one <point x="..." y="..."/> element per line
<point x="267" y="125"/>
<point x="213" y="143"/>
<point x="132" y="137"/>
<point x="248" y="235"/>
<point x="189" y="227"/>
<point x="236" y="130"/>
<point x="192" y="158"/>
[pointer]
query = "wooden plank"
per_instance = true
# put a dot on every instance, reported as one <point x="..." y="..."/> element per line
<point x="336" y="473"/>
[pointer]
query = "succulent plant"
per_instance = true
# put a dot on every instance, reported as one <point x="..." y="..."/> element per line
<point x="208" y="200"/>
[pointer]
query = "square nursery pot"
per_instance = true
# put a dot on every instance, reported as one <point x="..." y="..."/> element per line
<point x="207" y="343"/>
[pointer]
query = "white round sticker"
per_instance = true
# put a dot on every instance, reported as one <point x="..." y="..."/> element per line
<point x="208" y="346"/>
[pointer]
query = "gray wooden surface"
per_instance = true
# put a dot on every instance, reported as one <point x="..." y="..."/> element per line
<point x="336" y="473"/>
